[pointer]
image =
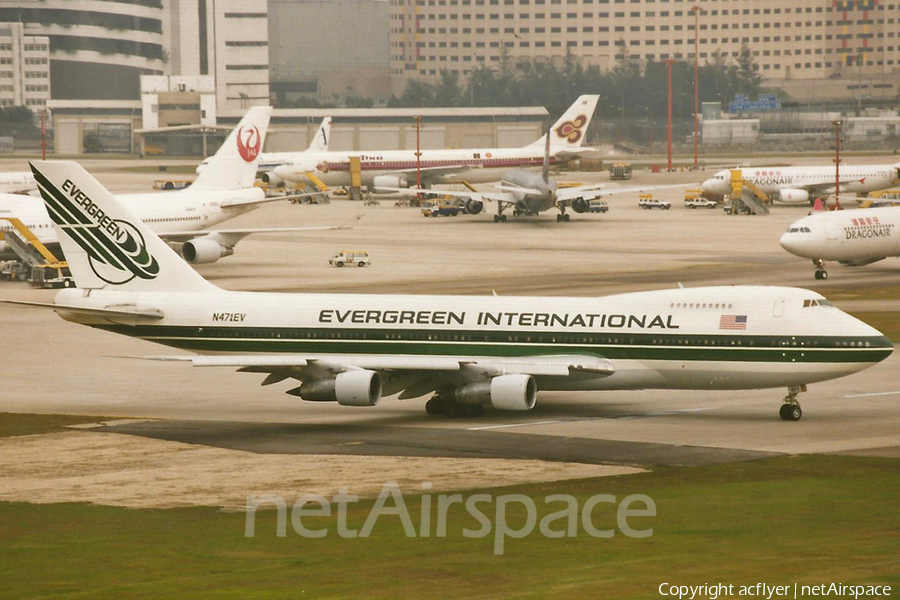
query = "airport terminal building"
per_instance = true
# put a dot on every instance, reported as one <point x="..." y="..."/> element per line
<point x="851" y="46"/>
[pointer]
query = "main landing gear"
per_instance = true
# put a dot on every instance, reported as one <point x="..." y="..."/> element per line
<point x="562" y="217"/>
<point x="500" y="217"/>
<point x="790" y="410"/>
<point x="445" y="405"/>
<point x="821" y="273"/>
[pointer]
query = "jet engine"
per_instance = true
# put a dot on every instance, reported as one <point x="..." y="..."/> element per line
<point x="791" y="196"/>
<point x="203" y="251"/>
<point x="505" y="392"/>
<point x="580" y="205"/>
<point x="473" y="207"/>
<point x="383" y="183"/>
<point x="860" y="262"/>
<point x="271" y="178"/>
<point x="350" y="388"/>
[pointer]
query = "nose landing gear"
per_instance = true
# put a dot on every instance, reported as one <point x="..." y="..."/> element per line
<point x="790" y="410"/>
<point x="821" y="273"/>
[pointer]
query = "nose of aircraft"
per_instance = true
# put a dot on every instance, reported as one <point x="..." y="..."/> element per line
<point x="287" y="172"/>
<point x="715" y="186"/>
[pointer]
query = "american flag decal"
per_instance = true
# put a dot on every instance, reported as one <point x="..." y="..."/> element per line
<point x="733" y="322"/>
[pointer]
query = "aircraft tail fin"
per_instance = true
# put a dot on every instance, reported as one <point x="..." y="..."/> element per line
<point x="105" y="245"/>
<point x="571" y="127"/>
<point x="545" y="168"/>
<point x="319" y="143"/>
<point x="234" y="165"/>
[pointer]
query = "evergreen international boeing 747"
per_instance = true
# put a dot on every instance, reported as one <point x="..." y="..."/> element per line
<point x="466" y="352"/>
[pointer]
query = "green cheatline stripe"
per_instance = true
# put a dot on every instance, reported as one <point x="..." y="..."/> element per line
<point x="636" y="347"/>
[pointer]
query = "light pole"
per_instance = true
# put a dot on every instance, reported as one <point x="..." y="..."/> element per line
<point x="669" y="125"/>
<point x="696" y="11"/>
<point x="837" y="163"/>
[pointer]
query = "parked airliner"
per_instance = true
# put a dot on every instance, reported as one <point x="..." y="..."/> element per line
<point x="797" y="185"/>
<point x="468" y="351"/>
<point x="17" y="182"/>
<point x="851" y="237"/>
<point x="222" y="191"/>
<point x="384" y="170"/>
<point x="270" y="160"/>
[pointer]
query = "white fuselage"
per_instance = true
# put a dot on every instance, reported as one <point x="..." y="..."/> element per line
<point x="702" y="338"/>
<point x="472" y="165"/>
<point x="16" y="182"/>
<point x="859" y="179"/>
<point x="846" y="235"/>
<point x="164" y="212"/>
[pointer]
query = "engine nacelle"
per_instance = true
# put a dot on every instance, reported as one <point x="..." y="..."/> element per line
<point x="860" y="262"/>
<point x="790" y="196"/>
<point x="506" y="392"/>
<point x="202" y="251"/>
<point x="350" y="388"/>
<point x="270" y="178"/>
<point x="580" y="205"/>
<point x="383" y="183"/>
<point x="473" y="207"/>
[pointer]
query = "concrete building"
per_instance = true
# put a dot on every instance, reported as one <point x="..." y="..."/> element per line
<point x="100" y="48"/>
<point x="852" y="46"/>
<point x="24" y="67"/>
<point x="329" y="50"/>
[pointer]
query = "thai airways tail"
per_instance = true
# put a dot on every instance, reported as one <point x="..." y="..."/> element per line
<point x="570" y="129"/>
<point x="234" y="165"/>
<point x="105" y="245"/>
<point x="319" y="143"/>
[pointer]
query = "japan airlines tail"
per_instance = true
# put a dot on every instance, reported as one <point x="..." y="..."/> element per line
<point x="469" y="351"/>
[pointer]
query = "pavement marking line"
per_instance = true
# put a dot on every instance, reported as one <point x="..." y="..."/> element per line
<point x="872" y="394"/>
<point x="513" y="425"/>
<point x="625" y="417"/>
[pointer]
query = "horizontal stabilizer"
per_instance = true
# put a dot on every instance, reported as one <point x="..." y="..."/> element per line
<point x="130" y="311"/>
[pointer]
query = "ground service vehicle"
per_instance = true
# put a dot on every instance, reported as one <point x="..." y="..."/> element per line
<point x="598" y="206"/>
<point x="443" y="207"/>
<point x="648" y="202"/>
<point x="620" y="171"/>
<point x="360" y="258"/>
<point x="700" y="202"/>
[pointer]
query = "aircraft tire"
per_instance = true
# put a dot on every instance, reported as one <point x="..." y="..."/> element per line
<point x="566" y="218"/>
<point x="434" y="406"/>
<point x="496" y="218"/>
<point x="503" y="218"/>
<point x="795" y="412"/>
<point x="783" y="412"/>
<point x="821" y="274"/>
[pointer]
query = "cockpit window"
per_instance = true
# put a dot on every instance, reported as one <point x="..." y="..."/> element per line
<point x="798" y="230"/>
<point x="817" y="302"/>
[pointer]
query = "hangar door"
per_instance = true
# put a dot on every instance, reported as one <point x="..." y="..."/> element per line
<point x="379" y="138"/>
<point x="68" y="141"/>
<point x="513" y="136"/>
<point x="430" y="138"/>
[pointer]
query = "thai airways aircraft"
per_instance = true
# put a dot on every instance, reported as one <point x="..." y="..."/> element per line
<point x="223" y="191"/>
<point x="854" y="237"/>
<point x="270" y="160"/>
<point x="530" y="193"/>
<point x="397" y="168"/>
<point x="17" y="182"/>
<point x="797" y="185"/>
<point x="468" y="351"/>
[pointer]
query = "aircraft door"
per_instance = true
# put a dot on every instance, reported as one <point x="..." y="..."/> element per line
<point x="778" y="311"/>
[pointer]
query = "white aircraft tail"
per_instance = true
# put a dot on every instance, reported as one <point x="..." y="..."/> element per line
<point x="234" y="166"/>
<point x="105" y="245"/>
<point x="319" y="143"/>
<point x="570" y="129"/>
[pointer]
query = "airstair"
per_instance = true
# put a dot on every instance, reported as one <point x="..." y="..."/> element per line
<point x="44" y="269"/>
<point x="746" y="197"/>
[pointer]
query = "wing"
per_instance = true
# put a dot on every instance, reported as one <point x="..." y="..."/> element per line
<point x="590" y="192"/>
<point x="480" y="196"/>
<point x="235" y="235"/>
<point x="410" y="376"/>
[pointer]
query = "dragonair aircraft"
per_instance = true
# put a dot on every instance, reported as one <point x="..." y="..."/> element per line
<point x="468" y="352"/>
<point x="798" y="185"/>
<point x="851" y="237"/>
<point x="397" y="168"/>
<point x="270" y="160"/>
<point x="223" y="191"/>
